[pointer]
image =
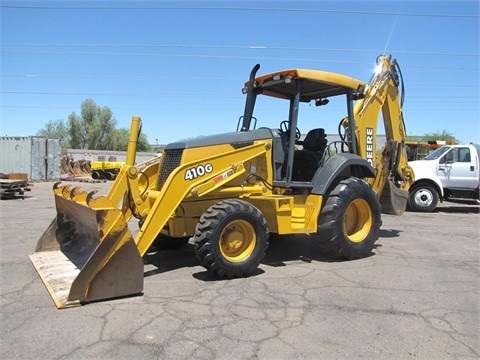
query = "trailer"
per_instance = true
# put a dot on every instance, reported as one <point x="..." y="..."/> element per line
<point x="14" y="186"/>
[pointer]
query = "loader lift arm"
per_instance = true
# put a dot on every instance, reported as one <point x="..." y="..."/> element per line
<point x="90" y="238"/>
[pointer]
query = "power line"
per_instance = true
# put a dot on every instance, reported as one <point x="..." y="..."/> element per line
<point x="62" y="76"/>
<point x="440" y="98"/>
<point x="241" y="47"/>
<point x="224" y="57"/>
<point x="241" y="9"/>
<point x="206" y="108"/>
<point x="192" y="78"/>
<point x="125" y="77"/>
<point x="195" y="78"/>
<point x="73" y="93"/>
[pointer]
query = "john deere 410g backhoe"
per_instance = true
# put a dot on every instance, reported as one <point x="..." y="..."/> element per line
<point x="227" y="193"/>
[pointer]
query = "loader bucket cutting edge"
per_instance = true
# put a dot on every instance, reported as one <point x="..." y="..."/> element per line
<point x="87" y="253"/>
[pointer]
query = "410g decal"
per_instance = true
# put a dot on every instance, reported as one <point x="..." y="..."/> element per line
<point x="198" y="171"/>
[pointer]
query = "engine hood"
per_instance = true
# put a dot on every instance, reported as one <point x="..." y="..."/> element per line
<point x="425" y="169"/>
<point x="237" y="137"/>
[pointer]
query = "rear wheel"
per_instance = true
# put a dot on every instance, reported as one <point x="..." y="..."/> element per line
<point x="231" y="238"/>
<point x="350" y="219"/>
<point x="110" y="175"/>
<point x="96" y="175"/>
<point x="423" y="198"/>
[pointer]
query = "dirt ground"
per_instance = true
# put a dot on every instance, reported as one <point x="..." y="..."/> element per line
<point x="416" y="297"/>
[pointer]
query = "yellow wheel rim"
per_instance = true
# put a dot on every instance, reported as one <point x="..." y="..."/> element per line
<point x="357" y="221"/>
<point x="237" y="240"/>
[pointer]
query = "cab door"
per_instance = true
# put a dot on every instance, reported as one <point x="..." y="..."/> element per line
<point x="457" y="169"/>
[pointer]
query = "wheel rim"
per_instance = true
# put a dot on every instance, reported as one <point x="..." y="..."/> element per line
<point x="237" y="240"/>
<point x="358" y="220"/>
<point x="423" y="198"/>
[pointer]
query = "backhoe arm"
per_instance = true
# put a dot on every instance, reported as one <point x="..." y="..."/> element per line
<point x="383" y="95"/>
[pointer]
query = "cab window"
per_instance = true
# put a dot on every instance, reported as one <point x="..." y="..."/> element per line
<point x="448" y="158"/>
<point x="464" y="154"/>
<point x="435" y="154"/>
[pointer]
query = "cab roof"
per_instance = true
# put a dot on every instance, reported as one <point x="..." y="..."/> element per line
<point x="315" y="84"/>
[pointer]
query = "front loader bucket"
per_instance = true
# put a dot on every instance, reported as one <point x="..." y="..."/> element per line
<point x="393" y="200"/>
<point x="87" y="253"/>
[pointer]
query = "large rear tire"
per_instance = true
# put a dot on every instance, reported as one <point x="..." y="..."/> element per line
<point x="231" y="238"/>
<point x="350" y="219"/>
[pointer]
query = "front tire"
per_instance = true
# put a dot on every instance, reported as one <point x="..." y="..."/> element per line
<point x="231" y="238"/>
<point x="350" y="219"/>
<point x="423" y="198"/>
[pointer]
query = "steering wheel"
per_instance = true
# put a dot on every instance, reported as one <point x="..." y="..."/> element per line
<point x="284" y="129"/>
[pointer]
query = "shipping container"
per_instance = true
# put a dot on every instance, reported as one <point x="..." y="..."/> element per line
<point x="39" y="157"/>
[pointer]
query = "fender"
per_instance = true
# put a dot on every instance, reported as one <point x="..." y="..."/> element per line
<point x="424" y="172"/>
<point x="340" y="164"/>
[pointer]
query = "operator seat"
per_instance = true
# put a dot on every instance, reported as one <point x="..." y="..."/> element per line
<point x="315" y="141"/>
<point x="306" y="160"/>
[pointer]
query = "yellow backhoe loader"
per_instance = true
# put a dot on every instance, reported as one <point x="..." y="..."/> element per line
<point x="227" y="193"/>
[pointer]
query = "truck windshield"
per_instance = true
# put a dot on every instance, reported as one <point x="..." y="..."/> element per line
<point x="437" y="153"/>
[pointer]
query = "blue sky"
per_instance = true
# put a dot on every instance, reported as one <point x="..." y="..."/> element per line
<point x="181" y="65"/>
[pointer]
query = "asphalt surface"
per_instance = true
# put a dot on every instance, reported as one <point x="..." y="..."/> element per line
<point x="417" y="297"/>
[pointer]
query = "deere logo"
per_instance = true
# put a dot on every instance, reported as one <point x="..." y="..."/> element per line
<point x="369" y="146"/>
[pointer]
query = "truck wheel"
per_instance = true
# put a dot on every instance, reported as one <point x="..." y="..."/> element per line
<point x="231" y="238"/>
<point x="350" y="219"/>
<point x="423" y="198"/>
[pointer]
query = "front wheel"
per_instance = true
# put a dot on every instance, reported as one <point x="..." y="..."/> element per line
<point x="350" y="219"/>
<point x="423" y="198"/>
<point x="231" y="238"/>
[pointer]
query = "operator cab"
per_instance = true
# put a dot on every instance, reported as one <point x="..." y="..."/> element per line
<point x="296" y="159"/>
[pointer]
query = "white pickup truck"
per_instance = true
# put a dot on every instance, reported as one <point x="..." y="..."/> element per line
<point x="448" y="173"/>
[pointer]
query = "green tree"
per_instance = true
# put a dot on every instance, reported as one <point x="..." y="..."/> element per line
<point x="440" y="135"/>
<point x="143" y="144"/>
<point x="121" y="136"/>
<point x="78" y="135"/>
<point x="93" y="128"/>
<point x="120" y="139"/>
<point x="55" y="129"/>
